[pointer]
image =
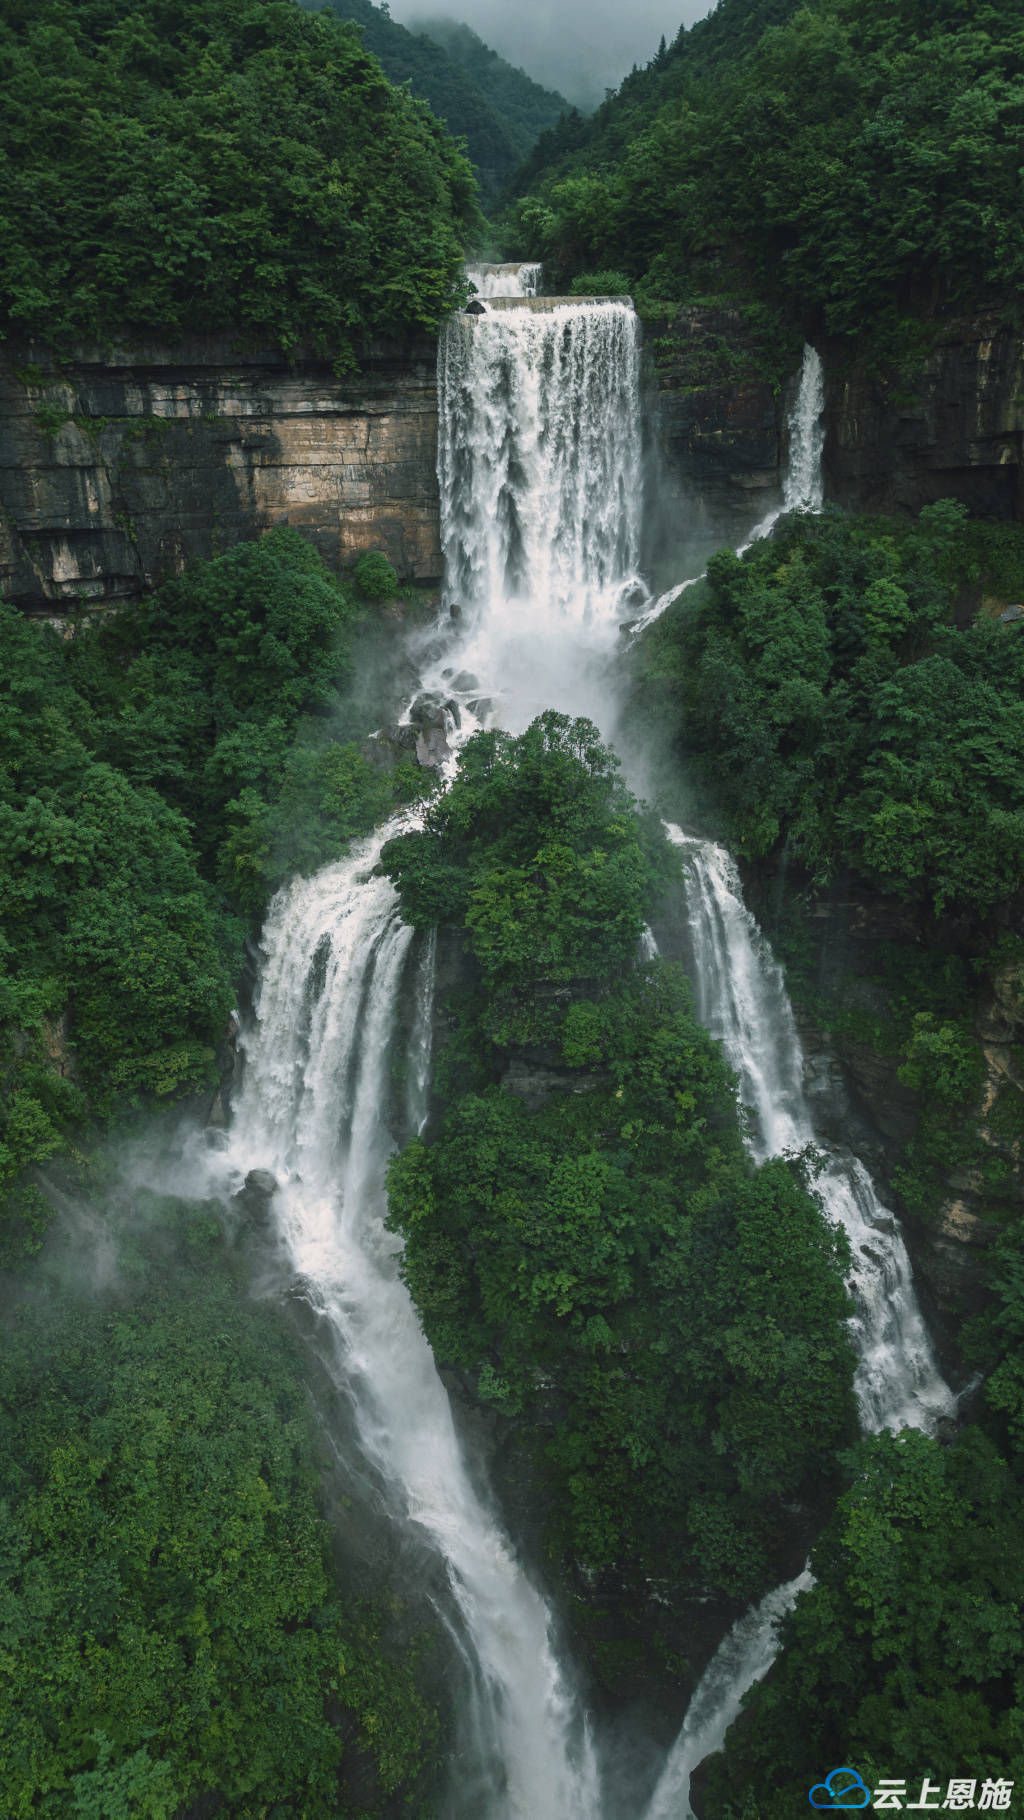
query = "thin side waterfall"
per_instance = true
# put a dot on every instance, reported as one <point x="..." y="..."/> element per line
<point x="803" y="487"/>
<point x="312" y="1111"/>
<point x="742" y="998"/>
<point x="803" y="483"/>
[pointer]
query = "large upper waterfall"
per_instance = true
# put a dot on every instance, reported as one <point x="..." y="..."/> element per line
<point x="540" y="474"/>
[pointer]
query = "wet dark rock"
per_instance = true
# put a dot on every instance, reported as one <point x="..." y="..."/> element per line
<point x="255" y="1196"/>
<point x="427" y="711"/>
<point x="389" y="746"/>
<point x="475" y="309"/>
<point x="432" y="748"/>
<point x="896" y="441"/>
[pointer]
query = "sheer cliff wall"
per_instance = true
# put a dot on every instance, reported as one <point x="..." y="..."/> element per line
<point x="952" y="429"/>
<point x="119" y="466"/>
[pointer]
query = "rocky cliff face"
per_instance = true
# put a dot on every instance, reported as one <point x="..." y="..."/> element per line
<point x="714" y="430"/>
<point x="853" y="1074"/>
<point x="716" y="426"/>
<point x="120" y="466"/>
<point x="954" y="430"/>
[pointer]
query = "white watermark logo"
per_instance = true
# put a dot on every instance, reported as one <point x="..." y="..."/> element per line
<point x="845" y="1789"/>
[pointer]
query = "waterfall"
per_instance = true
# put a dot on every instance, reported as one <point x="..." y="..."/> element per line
<point x="803" y="490"/>
<point x="539" y="461"/>
<point x="540" y="481"/>
<point x="803" y="486"/>
<point x="313" y="1112"/>
<point x="539" y="457"/>
<point x="505" y="280"/>
<point x="742" y="999"/>
<point x="539" y="468"/>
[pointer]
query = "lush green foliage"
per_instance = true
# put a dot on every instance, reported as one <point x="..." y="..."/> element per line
<point x="218" y="164"/>
<point x="831" y="705"/>
<point x="374" y="576"/>
<point x="145" y="761"/>
<point x="536" y="849"/>
<point x="170" y="1631"/>
<point x="906" y="1656"/>
<point x="499" y="111"/>
<point x="858" y="161"/>
<point x="597" y="1251"/>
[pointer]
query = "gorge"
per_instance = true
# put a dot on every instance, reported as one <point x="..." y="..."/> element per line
<point x="539" y="402"/>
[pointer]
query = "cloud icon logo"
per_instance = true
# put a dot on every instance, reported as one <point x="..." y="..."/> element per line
<point x="841" y="1788"/>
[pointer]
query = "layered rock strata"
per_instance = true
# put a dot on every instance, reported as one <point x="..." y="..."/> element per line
<point x="119" y="466"/>
<point x="952" y="429"/>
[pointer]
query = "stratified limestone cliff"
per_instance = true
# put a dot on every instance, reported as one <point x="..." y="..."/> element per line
<point x="714" y="429"/>
<point x="120" y="466"/>
<point x="952" y="430"/>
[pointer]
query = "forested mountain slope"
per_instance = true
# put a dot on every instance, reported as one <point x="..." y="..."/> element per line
<point x="856" y="162"/>
<point x="222" y="164"/>
<point x="497" y="109"/>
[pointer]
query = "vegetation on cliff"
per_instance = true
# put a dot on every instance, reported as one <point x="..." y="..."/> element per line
<point x="831" y="701"/>
<point x="600" y="1254"/>
<point x="844" y="704"/>
<point x="218" y="165"/>
<point x="849" y="704"/>
<point x="173" y="1634"/>
<point x="906" y="1657"/>
<point x="164" y="770"/>
<point x="855" y="162"/>
<point x="499" y="111"/>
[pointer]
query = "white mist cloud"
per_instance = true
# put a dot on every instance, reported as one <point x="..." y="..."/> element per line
<point x="580" y="47"/>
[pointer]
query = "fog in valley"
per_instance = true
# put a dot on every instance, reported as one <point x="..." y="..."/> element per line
<point x="580" y="48"/>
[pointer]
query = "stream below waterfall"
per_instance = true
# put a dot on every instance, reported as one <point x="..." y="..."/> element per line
<point x="541" y="493"/>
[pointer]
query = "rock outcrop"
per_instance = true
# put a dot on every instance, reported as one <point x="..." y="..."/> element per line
<point x="955" y="429"/>
<point x="120" y="465"/>
<point x="714" y="429"/>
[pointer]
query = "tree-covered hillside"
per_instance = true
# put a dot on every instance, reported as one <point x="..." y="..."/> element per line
<point x="497" y="109"/>
<point x="218" y="164"/>
<point x="858" y="162"/>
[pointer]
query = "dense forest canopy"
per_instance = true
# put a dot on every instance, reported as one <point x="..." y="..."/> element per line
<point x="607" y="1264"/>
<point x="218" y="164"/>
<point x="856" y="161"/>
<point x="499" y="111"/>
<point x="163" y="771"/>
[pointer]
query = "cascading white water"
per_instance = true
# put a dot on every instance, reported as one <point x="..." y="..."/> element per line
<point x="742" y="998"/>
<point x="313" y="1112"/>
<point x="541" y="494"/>
<point x="540" y="474"/>
<point x="505" y="280"/>
<point x="803" y="486"/>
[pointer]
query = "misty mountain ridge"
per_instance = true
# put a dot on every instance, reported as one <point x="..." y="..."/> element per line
<point x="499" y="110"/>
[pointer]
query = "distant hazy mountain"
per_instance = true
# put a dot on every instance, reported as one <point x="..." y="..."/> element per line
<point x="498" y="110"/>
